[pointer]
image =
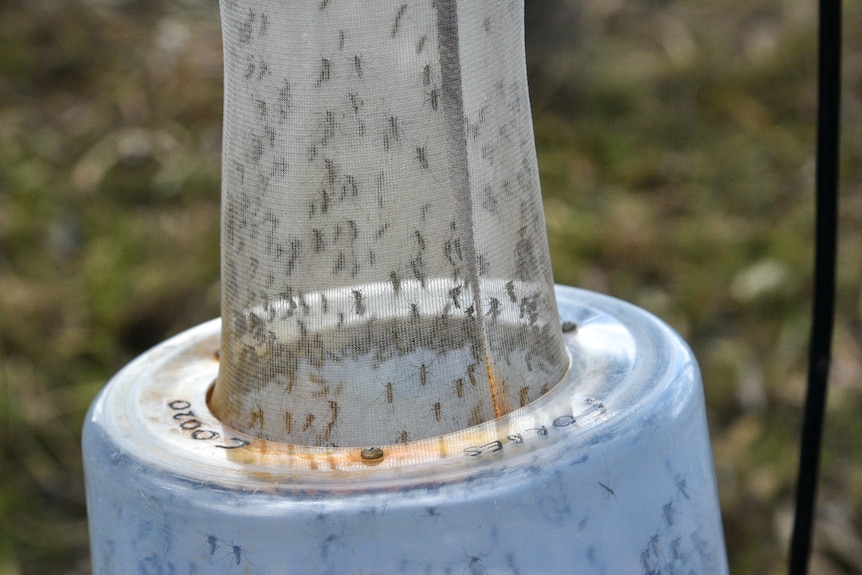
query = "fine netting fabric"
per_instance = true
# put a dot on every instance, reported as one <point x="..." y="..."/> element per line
<point x="385" y="269"/>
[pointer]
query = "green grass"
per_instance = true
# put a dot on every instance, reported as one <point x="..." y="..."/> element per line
<point x="676" y="154"/>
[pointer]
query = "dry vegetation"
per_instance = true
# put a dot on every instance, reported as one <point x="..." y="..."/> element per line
<point x="676" y="149"/>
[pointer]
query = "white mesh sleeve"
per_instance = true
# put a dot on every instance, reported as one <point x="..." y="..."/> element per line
<point x="386" y="274"/>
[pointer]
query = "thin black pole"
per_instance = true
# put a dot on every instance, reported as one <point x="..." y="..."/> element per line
<point x="829" y="92"/>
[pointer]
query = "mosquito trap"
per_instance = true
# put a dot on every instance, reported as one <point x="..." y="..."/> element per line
<point x="395" y="384"/>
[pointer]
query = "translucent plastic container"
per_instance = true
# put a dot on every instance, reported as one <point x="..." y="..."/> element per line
<point x="608" y="472"/>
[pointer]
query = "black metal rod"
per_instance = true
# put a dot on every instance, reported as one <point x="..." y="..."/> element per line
<point x="829" y="100"/>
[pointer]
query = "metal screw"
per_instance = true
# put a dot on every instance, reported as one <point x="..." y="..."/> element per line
<point x="371" y="453"/>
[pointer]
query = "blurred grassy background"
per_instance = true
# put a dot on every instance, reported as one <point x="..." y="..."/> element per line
<point x="676" y="150"/>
